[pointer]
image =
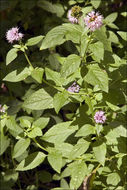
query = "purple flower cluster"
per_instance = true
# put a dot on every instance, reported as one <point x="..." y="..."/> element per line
<point x="74" y="88"/>
<point x="99" y="117"/>
<point x="13" y="35"/>
<point x="93" y="20"/>
<point x="2" y="110"/>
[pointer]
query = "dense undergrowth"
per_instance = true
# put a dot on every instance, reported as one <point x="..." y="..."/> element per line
<point x="63" y="95"/>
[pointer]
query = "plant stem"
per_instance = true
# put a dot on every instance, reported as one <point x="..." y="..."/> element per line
<point x="28" y="59"/>
<point x="39" y="145"/>
<point x="89" y="100"/>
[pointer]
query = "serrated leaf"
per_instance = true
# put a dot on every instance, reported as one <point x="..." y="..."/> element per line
<point x="59" y="100"/>
<point x="33" y="41"/>
<point x="20" y="147"/>
<point x="41" y="122"/>
<point x="11" y="55"/>
<point x="32" y="161"/>
<point x="55" y="160"/>
<point x="70" y="65"/>
<point x="12" y="125"/>
<point x="36" y="131"/>
<point x="111" y="18"/>
<point x="39" y="100"/>
<point x="64" y="148"/>
<point x="59" y="132"/>
<point x="112" y="106"/>
<point x="37" y="74"/>
<point x="123" y="35"/>
<point x="99" y="149"/>
<point x="95" y="3"/>
<point x="113" y="37"/>
<point x="54" y="76"/>
<point x="53" y="37"/>
<point x="73" y="32"/>
<point x="96" y="76"/>
<point x="98" y="51"/>
<point x="78" y="172"/>
<point x="16" y="76"/>
<point x="5" y="141"/>
<point x="102" y="37"/>
<point x="85" y="131"/>
<point x="79" y="149"/>
<point x="113" y="179"/>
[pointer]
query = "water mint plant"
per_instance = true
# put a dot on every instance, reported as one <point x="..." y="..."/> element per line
<point x="62" y="114"/>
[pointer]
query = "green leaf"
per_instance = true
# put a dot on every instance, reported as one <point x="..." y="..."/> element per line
<point x="39" y="100"/>
<point x="54" y="37"/>
<point x="73" y="32"/>
<point x="95" y="3"/>
<point x="78" y="172"/>
<point x="84" y="44"/>
<point x="59" y="100"/>
<point x="52" y="8"/>
<point x="32" y="161"/>
<point x="70" y="65"/>
<point x="64" y="148"/>
<point x="123" y="35"/>
<point x="113" y="179"/>
<point x="55" y="160"/>
<point x="20" y="147"/>
<point x="59" y="132"/>
<point x="25" y="123"/>
<point x="124" y="14"/>
<point x="41" y="122"/>
<point x="54" y="76"/>
<point x="111" y="18"/>
<point x="96" y="76"/>
<point x="11" y="55"/>
<point x="85" y="131"/>
<point x="12" y="125"/>
<point x="33" y="41"/>
<point x="5" y="142"/>
<point x="36" y="131"/>
<point x="37" y="74"/>
<point x="64" y="184"/>
<point x="98" y="51"/>
<point x="99" y="150"/>
<point x="113" y="37"/>
<point x="79" y="149"/>
<point x="102" y="37"/>
<point x="112" y="106"/>
<point x="112" y="25"/>
<point x="16" y="76"/>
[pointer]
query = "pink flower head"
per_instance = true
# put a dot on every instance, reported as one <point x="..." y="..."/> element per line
<point x="13" y="35"/>
<point x="99" y="117"/>
<point x="74" y="14"/>
<point x="93" y="20"/>
<point x="2" y="109"/>
<point x="71" y="18"/>
<point x="74" y="88"/>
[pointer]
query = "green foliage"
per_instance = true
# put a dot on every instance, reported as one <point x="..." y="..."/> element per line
<point x="11" y="55"/>
<point x="20" y="147"/>
<point x="32" y="161"/>
<point x="50" y="136"/>
<point x="41" y="99"/>
<point x="97" y="77"/>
